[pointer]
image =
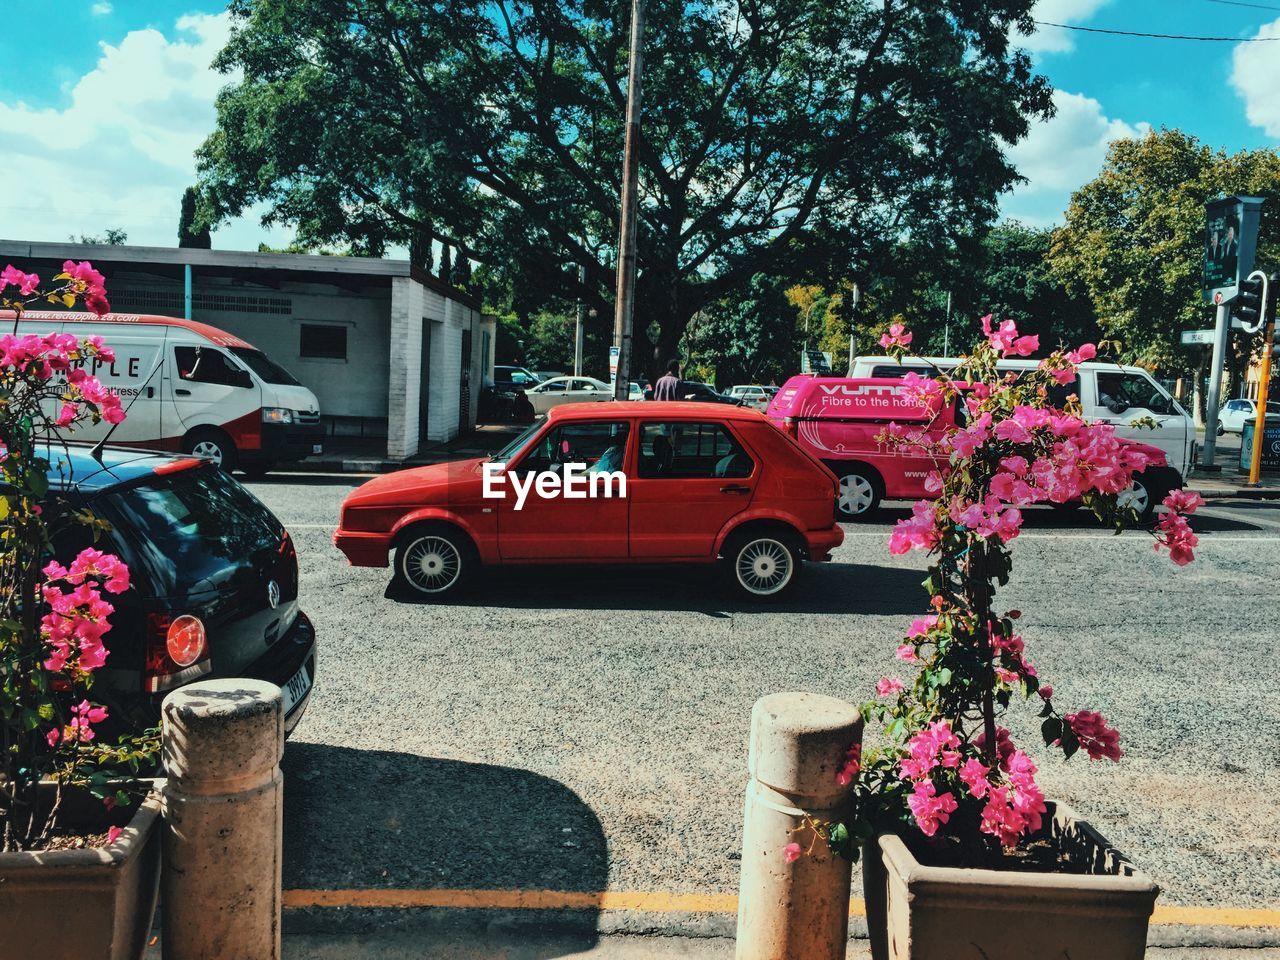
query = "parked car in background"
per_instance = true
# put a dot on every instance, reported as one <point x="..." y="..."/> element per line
<point x="192" y="388"/>
<point x="1236" y="413"/>
<point x="704" y="485"/>
<point x="1126" y="397"/>
<point x="754" y="395"/>
<point x="705" y="393"/>
<point x="510" y="379"/>
<point x="838" y="420"/>
<point x="213" y="578"/>
<point x="549" y="374"/>
<point x="560" y="390"/>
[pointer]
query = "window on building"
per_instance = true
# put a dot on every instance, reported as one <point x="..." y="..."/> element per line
<point x="323" y="340"/>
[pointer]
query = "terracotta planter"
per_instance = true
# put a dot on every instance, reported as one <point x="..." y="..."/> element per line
<point x="918" y="912"/>
<point x="93" y="904"/>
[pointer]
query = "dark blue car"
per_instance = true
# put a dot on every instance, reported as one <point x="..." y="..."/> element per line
<point x="214" y="578"/>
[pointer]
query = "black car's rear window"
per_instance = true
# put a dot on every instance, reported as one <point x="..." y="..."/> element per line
<point x="194" y="528"/>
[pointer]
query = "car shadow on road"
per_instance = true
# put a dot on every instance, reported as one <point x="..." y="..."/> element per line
<point x="375" y="839"/>
<point x="823" y="588"/>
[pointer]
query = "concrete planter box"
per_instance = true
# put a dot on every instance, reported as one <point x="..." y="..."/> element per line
<point x="918" y="912"/>
<point x="92" y="904"/>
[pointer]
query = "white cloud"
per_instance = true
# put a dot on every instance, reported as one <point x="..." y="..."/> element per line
<point x="1255" y="73"/>
<point x="1055" y="39"/>
<point x="120" y="153"/>
<point x="102" y="9"/>
<point x="1061" y="154"/>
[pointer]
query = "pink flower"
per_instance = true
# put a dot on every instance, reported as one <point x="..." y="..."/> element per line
<point x="1025" y="346"/>
<point x="920" y="531"/>
<point x="974" y="774"/>
<point x="53" y="736"/>
<point x="1183" y="501"/>
<point x="907" y="654"/>
<point x="896" y="337"/>
<point x="1046" y="692"/>
<point x="852" y="764"/>
<point x="930" y="808"/>
<point x="1097" y="739"/>
<point x="791" y="852"/>
<point x="25" y="282"/>
<point x="1087" y="351"/>
<point x="922" y="625"/>
<point x="888" y="687"/>
<point x="1174" y="533"/>
<point x="113" y="834"/>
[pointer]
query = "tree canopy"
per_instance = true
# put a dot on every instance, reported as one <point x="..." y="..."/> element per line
<point x="1133" y="241"/>
<point x="798" y="138"/>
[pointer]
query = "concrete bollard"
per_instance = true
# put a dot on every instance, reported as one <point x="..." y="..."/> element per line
<point x="800" y="910"/>
<point x="223" y="804"/>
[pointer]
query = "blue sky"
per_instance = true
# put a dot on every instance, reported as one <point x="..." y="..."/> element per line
<point x="103" y="101"/>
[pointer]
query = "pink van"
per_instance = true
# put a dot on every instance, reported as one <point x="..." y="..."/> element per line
<point x="837" y="419"/>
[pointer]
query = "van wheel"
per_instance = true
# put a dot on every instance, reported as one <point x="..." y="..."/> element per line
<point x="1139" y="498"/>
<point x="436" y="561"/>
<point x="762" y="564"/>
<point x="858" y="493"/>
<point x="212" y="445"/>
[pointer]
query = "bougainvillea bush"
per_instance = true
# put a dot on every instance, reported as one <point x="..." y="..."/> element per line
<point x="949" y="770"/>
<point x="52" y="617"/>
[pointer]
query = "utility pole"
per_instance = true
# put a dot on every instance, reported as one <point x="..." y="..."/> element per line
<point x="854" y="298"/>
<point x="582" y="317"/>
<point x="946" y="330"/>
<point x="624" y="312"/>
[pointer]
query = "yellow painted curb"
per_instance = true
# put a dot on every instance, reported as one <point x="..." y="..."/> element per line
<point x="642" y="901"/>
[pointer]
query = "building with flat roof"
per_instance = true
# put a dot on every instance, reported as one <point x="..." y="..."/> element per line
<point x="389" y="350"/>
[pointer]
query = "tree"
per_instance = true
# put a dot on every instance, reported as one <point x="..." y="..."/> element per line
<point x="796" y="138"/>
<point x="1134" y="235"/>
<point x="1014" y="281"/>
<point x="113" y="237"/>
<point x="189" y="234"/>
<point x="749" y="337"/>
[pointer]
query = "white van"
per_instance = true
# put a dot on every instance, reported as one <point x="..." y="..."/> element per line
<point x="190" y="387"/>
<point x="1108" y="393"/>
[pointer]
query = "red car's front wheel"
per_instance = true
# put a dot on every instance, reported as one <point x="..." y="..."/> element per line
<point x="436" y="561"/>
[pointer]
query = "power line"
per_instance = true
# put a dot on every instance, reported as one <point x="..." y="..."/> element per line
<point x="1241" y="3"/>
<point x="1157" y="36"/>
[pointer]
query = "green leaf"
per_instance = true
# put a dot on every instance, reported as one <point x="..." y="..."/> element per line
<point x="1051" y="729"/>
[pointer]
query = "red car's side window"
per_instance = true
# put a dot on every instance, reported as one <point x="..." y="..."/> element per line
<point x="680" y="450"/>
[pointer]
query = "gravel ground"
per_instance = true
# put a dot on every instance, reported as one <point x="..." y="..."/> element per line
<point x="585" y="730"/>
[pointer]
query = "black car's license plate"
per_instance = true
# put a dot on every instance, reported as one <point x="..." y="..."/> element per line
<point x="296" y="689"/>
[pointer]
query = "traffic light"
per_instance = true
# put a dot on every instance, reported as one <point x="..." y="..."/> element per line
<point x="1248" y="302"/>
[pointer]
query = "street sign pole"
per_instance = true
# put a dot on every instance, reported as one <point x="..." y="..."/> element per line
<point x="1220" y="333"/>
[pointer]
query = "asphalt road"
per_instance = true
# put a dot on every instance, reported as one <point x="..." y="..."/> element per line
<point x="585" y="730"/>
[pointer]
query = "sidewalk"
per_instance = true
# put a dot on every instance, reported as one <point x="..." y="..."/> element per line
<point x="353" y="455"/>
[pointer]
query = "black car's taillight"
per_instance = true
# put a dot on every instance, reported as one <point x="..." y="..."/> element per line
<point x="177" y="651"/>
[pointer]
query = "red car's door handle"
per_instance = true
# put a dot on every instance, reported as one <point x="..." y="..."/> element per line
<point x="735" y="488"/>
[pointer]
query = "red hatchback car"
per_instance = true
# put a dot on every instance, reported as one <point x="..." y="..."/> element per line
<point x="634" y="483"/>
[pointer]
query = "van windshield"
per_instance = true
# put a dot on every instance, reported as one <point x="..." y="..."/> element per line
<point x="267" y="369"/>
